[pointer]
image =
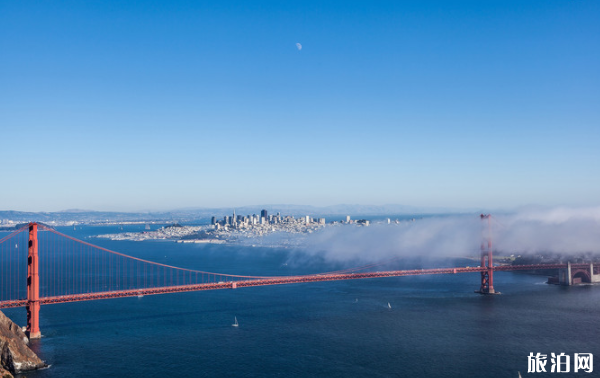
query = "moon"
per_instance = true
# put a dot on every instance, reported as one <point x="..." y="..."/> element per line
<point x="299" y="46"/>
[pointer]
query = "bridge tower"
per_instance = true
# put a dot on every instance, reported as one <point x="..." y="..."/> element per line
<point x="33" y="285"/>
<point x="487" y="261"/>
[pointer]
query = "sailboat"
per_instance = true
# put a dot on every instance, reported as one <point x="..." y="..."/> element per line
<point x="236" y="323"/>
<point x="389" y="305"/>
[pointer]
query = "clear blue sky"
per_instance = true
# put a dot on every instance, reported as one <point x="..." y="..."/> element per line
<point x="151" y="105"/>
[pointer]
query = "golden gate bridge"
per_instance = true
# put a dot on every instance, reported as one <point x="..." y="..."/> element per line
<point x="58" y="268"/>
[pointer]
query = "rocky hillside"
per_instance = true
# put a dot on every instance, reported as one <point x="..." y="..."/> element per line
<point x="5" y="373"/>
<point x="15" y="355"/>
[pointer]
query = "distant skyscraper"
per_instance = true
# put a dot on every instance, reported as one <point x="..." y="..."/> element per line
<point x="347" y="218"/>
<point x="263" y="214"/>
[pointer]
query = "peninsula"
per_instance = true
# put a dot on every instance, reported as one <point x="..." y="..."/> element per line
<point x="236" y="229"/>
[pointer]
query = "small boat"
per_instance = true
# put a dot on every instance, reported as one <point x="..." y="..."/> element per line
<point x="389" y="305"/>
<point x="147" y="226"/>
<point x="236" y="323"/>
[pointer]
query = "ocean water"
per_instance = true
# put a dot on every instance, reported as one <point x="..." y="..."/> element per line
<point x="436" y="326"/>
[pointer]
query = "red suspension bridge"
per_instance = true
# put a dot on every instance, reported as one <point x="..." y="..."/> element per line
<point x="58" y="268"/>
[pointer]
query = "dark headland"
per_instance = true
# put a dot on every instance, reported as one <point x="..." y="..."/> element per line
<point x="15" y="355"/>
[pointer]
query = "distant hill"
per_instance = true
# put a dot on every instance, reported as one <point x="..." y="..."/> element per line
<point x="342" y="209"/>
<point x="81" y="216"/>
<point x="202" y="214"/>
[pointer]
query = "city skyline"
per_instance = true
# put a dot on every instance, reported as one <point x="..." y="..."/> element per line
<point x="156" y="106"/>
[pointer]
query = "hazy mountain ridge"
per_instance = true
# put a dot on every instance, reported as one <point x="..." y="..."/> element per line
<point x="341" y="209"/>
<point x="190" y="214"/>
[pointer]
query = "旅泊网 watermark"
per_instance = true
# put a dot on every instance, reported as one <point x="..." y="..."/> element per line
<point x="560" y="363"/>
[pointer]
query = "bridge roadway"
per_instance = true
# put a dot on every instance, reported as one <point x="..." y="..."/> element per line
<point x="278" y="280"/>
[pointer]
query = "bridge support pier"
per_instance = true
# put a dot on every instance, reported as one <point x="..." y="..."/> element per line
<point x="574" y="276"/>
<point x="564" y="276"/>
<point x="594" y="277"/>
<point x="487" y="282"/>
<point x="33" y="285"/>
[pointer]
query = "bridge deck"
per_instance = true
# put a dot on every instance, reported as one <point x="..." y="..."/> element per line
<point x="275" y="281"/>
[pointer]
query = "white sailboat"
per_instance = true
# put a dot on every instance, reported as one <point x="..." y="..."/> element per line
<point x="236" y="322"/>
<point x="389" y="305"/>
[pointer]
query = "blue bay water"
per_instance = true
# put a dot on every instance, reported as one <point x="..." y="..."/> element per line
<point x="437" y="326"/>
